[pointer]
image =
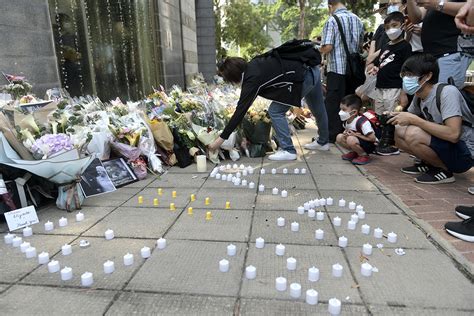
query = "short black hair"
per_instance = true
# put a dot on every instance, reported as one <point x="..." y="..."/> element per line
<point x="231" y="69"/>
<point x="352" y="101"/>
<point x="395" y="16"/>
<point x="333" y="2"/>
<point x="421" y="65"/>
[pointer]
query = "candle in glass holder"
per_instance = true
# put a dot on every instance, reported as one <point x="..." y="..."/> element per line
<point x="245" y="173"/>
<point x="224" y="177"/>
<point x="250" y="169"/>
<point x="218" y="176"/>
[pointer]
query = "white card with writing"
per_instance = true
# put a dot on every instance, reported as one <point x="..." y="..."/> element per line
<point x="21" y="218"/>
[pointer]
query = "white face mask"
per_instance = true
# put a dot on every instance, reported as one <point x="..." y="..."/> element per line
<point x="393" y="8"/>
<point x="344" y="116"/>
<point x="393" y="34"/>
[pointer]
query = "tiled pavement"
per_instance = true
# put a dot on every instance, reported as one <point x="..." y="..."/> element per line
<point x="183" y="279"/>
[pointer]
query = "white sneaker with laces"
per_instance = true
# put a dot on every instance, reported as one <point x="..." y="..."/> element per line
<point x="316" y="146"/>
<point x="282" y="155"/>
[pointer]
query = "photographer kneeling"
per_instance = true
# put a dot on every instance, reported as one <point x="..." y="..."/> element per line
<point x="438" y="127"/>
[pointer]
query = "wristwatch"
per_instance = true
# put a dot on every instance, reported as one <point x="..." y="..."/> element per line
<point x="441" y="5"/>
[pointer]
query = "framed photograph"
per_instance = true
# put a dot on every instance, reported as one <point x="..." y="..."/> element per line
<point x="95" y="180"/>
<point x="119" y="172"/>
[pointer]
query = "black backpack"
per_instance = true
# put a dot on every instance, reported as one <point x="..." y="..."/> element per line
<point x="298" y="50"/>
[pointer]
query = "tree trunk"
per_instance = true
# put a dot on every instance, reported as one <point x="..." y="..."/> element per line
<point x="301" y="4"/>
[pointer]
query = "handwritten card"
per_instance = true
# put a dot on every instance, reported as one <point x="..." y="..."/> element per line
<point x="21" y="218"/>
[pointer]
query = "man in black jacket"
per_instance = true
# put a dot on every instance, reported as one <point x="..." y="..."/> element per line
<point x="283" y="81"/>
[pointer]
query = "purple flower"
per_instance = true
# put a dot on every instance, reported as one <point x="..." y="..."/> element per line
<point x="51" y="144"/>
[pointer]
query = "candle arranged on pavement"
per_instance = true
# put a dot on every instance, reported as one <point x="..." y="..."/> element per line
<point x="280" y="284"/>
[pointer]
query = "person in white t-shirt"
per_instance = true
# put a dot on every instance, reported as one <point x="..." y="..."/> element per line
<point x="358" y="136"/>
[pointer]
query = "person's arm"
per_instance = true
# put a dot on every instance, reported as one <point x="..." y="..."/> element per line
<point x="326" y="49"/>
<point x="327" y="41"/>
<point x="465" y="17"/>
<point x="371" y="58"/>
<point x="415" y="13"/>
<point x="450" y="8"/>
<point x="370" y="137"/>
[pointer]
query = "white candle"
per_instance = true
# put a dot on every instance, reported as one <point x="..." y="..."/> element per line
<point x="261" y="188"/>
<point x="79" y="217"/>
<point x="366" y="269"/>
<point x="295" y="227"/>
<point x="224" y="177"/>
<point x="201" y="163"/>
<point x="329" y="201"/>
<point x="109" y="267"/>
<point x="48" y="226"/>
<point x="320" y="216"/>
<point x="128" y="259"/>
<point x="361" y="214"/>
<point x="235" y="166"/>
<point x="296" y="171"/>
<point x="351" y="225"/>
<point x="365" y="229"/>
<point x="66" y="250"/>
<point x="337" y="270"/>
<point x="303" y="170"/>
<point x="392" y="237"/>
<point x="8" y="238"/>
<point x="378" y="233"/>
<point x="322" y="201"/>
<point x="27" y="231"/>
<point x="145" y="252"/>
<point x="231" y="250"/>
<point x="16" y="241"/>
<point x="291" y="264"/>
<point x="367" y="249"/>
<point x="300" y="210"/>
<point x="280" y="284"/>
<point x="223" y="265"/>
<point x="337" y="221"/>
<point x="161" y="243"/>
<point x="311" y="297"/>
<point x="352" y="205"/>
<point x="24" y="245"/>
<point x="355" y="218"/>
<point x="109" y="234"/>
<point x="66" y="274"/>
<point x="307" y="206"/>
<point x="262" y="171"/>
<point x="280" y="221"/>
<point x="237" y="181"/>
<point x="284" y="193"/>
<point x="319" y="234"/>
<point x="312" y="204"/>
<point x="295" y="290"/>
<point x="334" y="307"/>
<point x="30" y="252"/>
<point x="238" y="175"/>
<point x="250" y="272"/>
<point x="259" y="242"/>
<point x="274" y="171"/>
<point x="250" y="169"/>
<point x="53" y="266"/>
<point x="251" y="185"/>
<point x="87" y="279"/>
<point x="222" y="168"/>
<point x="285" y="171"/>
<point x="342" y="203"/>
<point x="244" y="183"/>
<point x="311" y="213"/>
<point x="228" y="166"/>
<point x="230" y="179"/>
<point x="359" y="208"/>
<point x="242" y="166"/>
<point x="313" y="274"/>
<point x="245" y="173"/>
<point x="280" y="250"/>
<point x="342" y="242"/>
<point x="62" y="222"/>
<point x="275" y="191"/>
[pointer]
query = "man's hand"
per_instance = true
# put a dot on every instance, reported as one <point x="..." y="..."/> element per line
<point x="352" y="133"/>
<point x="402" y="118"/>
<point x="216" y="144"/>
<point x="462" y="17"/>
<point x="373" y="71"/>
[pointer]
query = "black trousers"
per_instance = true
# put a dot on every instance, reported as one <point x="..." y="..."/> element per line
<point x="336" y="90"/>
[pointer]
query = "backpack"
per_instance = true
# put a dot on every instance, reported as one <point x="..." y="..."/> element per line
<point x="373" y="119"/>
<point x="298" y="50"/>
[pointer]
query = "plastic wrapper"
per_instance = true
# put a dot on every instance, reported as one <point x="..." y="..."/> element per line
<point x="100" y="144"/>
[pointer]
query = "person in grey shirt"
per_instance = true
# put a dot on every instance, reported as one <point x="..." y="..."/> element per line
<point x="442" y="137"/>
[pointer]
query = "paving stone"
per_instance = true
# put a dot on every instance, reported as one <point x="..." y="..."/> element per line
<point x="178" y="180"/>
<point x="393" y="310"/>
<point x="239" y="199"/>
<point x="280" y="307"/>
<point x="149" y="194"/>
<point x="344" y="183"/>
<point x="268" y="165"/>
<point x="135" y="222"/>
<point x="191" y="267"/>
<point x="373" y="202"/>
<point x="3" y="287"/>
<point x="192" y="168"/>
<point x="14" y="263"/>
<point x="226" y="225"/>
<point x="265" y="226"/>
<point x="288" y="182"/>
<point x="39" y="300"/>
<point x="333" y="169"/>
<point x="115" y="198"/>
<point x="408" y="235"/>
<point x="401" y="280"/>
<point x="91" y="259"/>
<point x="170" y="304"/>
<point x="333" y="156"/>
<point x="270" y="266"/>
<point x="142" y="183"/>
<point x="267" y="201"/>
<point x="213" y="183"/>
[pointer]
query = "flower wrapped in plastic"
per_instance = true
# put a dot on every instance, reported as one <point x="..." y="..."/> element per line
<point x="51" y="144"/>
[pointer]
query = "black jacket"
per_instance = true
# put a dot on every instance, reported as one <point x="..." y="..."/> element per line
<point x="275" y="79"/>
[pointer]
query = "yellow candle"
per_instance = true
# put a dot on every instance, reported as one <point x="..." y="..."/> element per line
<point x="172" y="207"/>
<point x="140" y="199"/>
<point x="208" y="216"/>
<point x="227" y="205"/>
<point x="193" y="197"/>
<point x="160" y="191"/>
<point x="190" y="211"/>
<point x="173" y="194"/>
<point x="207" y="201"/>
<point x="155" y="202"/>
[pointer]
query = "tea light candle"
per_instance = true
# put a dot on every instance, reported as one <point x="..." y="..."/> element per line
<point x="156" y="202"/>
<point x="235" y="166"/>
<point x="311" y="297"/>
<point x="109" y="234"/>
<point x="25" y="245"/>
<point x="223" y="265"/>
<point x="311" y="213"/>
<point x="291" y="264"/>
<point x="319" y="234"/>
<point x="145" y="252"/>
<point x="250" y="169"/>
<point x="280" y="250"/>
<point x="244" y="183"/>
<point x="8" y="238"/>
<point x="307" y="206"/>
<point x="365" y="229"/>
<point x="296" y="171"/>
<point x="378" y="233"/>
<point x="313" y="274"/>
<point x="79" y="217"/>
<point x="329" y="201"/>
<point x="43" y="258"/>
<point x="280" y="221"/>
<point x="251" y="185"/>
<point x="238" y="175"/>
<point x="351" y="225"/>
<point x="300" y="210"/>
<point x="218" y="176"/>
<point x="140" y="199"/>
<point x="295" y="290"/>
<point x="27" y="231"/>
<point x="244" y="173"/>
<point x="284" y="193"/>
<point x="359" y="208"/>
<point x="237" y="181"/>
<point x="172" y="207"/>
<point x="53" y="266"/>
<point x="173" y="194"/>
<point x="337" y="221"/>
<point x="161" y="243"/>
<point x="320" y="216"/>
<point x="160" y="191"/>
<point x="285" y="171"/>
<point x="303" y="170"/>
<point x="16" y="241"/>
<point x="295" y="227"/>
<point x="109" y="267"/>
<point x="342" y="242"/>
<point x="367" y="249"/>
<point x="355" y="218"/>
<point x="280" y="284"/>
<point x="250" y="272"/>
<point x="312" y="204"/>
<point x="230" y="179"/>
<point x="352" y="205"/>
<point x="66" y="274"/>
<point x="208" y="216"/>
<point x="334" y="307"/>
<point x="66" y="250"/>
<point x="62" y="222"/>
<point x="259" y="242"/>
<point x="274" y="171"/>
<point x="87" y="279"/>
<point x="128" y="259"/>
<point x="366" y="269"/>
<point x="224" y="177"/>
<point x="262" y="171"/>
<point x="337" y="270"/>
<point x="392" y="237"/>
<point x="48" y="226"/>
<point x="227" y="205"/>
<point x="190" y="210"/>
<point x="342" y="203"/>
<point x="231" y="250"/>
<point x="322" y="201"/>
<point x="228" y="167"/>
<point x="361" y="214"/>
<point x="261" y="188"/>
<point x="275" y="191"/>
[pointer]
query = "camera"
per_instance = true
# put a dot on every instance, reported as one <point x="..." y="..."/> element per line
<point x="387" y="137"/>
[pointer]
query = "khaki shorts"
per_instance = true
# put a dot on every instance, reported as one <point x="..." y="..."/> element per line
<point x="385" y="99"/>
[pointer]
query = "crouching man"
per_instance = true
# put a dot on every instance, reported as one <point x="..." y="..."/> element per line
<point x="438" y="127"/>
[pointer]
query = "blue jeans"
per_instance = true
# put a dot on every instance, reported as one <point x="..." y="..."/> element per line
<point x="313" y="95"/>
<point x="453" y="65"/>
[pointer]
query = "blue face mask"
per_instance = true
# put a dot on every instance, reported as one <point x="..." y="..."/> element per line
<point x="411" y="85"/>
<point x="392" y="8"/>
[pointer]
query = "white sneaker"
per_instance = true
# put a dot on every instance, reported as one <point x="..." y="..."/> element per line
<point x="316" y="146"/>
<point x="470" y="190"/>
<point x="282" y="155"/>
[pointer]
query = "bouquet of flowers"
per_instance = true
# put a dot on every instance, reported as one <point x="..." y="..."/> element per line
<point x="17" y="86"/>
<point x="257" y="128"/>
